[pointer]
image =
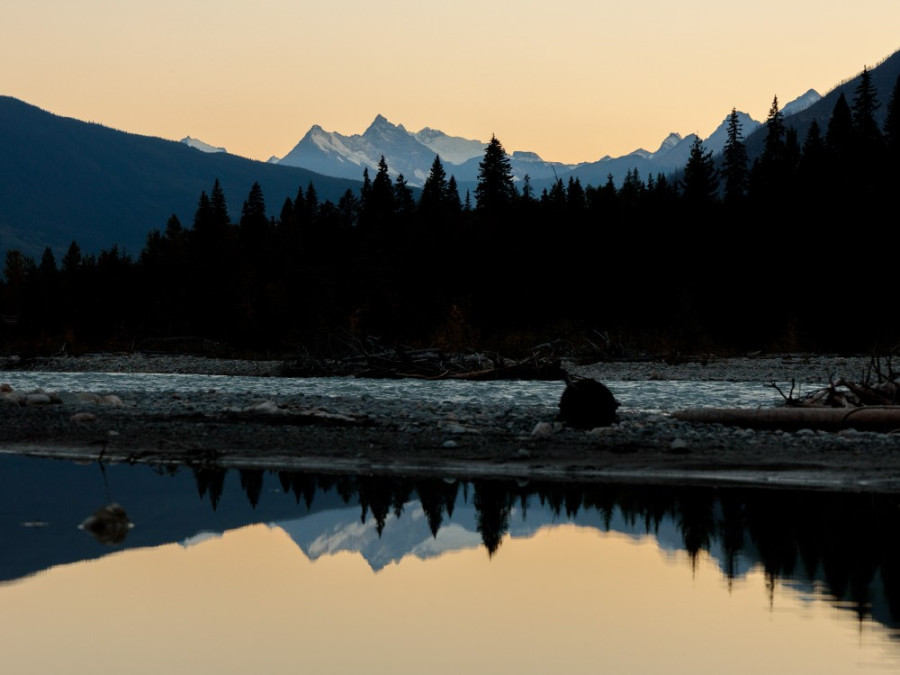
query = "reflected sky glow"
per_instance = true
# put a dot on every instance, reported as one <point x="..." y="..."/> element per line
<point x="568" y="599"/>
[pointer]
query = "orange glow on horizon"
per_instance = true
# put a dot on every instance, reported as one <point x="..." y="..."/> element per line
<point x="572" y="82"/>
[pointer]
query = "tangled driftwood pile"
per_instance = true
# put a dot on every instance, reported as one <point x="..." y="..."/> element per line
<point x="879" y="386"/>
<point x="373" y="361"/>
<point x="872" y="404"/>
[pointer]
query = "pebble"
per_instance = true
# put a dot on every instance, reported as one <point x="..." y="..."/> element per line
<point x="542" y="430"/>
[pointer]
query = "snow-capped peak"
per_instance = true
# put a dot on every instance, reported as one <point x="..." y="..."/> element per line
<point x="801" y="103"/>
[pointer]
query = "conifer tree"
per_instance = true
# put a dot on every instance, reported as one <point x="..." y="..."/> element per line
<point x="734" y="161"/>
<point x="869" y="141"/>
<point x="839" y="133"/>
<point x="770" y="175"/>
<point x="403" y="196"/>
<point x="218" y="208"/>
<point x="451" y="196"/>
<point x="435" y="188"/>
<point x="496" y="190"/>
<point x="72" y="259"/>
<point x="892" y="126"/>
<point x="775" y="132"/>
<point x="203" y="215"/>
<point x="575" y="197"/>
<point x="382" y="190"/>
<point x="312" y="202"/>
<point x="377" y="199"/>
<point x="701" y="181"/>
<point x="527" y="189"/>
<point x="253" y="212"/>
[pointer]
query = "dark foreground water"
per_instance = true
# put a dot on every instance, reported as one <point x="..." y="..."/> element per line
<point x="283" y="572"/>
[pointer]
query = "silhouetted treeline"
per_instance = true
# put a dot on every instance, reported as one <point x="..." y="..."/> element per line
<point x="848" y="542"/>
<point x="790" y="250"/>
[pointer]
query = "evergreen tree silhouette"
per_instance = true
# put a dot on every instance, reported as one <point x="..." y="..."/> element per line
<point x="734" y="161"/>
<point x="701" y="182"/>
<point x="496" y="190"/>
<point x="892" y="128"/>
<point x="434" y="190"/>
<point x="869" y="140"/>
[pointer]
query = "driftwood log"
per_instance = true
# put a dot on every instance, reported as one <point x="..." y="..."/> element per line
<point x="865" y="418"/>
<point x="873" y="404"/>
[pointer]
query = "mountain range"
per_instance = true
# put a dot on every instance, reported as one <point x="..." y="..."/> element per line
<point x="64" y="180"/>
<point x="412" y="153"/>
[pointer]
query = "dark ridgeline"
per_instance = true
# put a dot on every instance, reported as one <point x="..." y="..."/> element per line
<point x="783" y="242"/>
<point x="847" y="542"/>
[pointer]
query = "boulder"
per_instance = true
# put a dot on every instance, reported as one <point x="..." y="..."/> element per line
<point x="586" y="404"/>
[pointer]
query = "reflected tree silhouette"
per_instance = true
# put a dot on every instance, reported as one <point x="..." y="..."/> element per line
<point x="696" y="522"/>
<point x="252" y="482"/>
<point x="210" y="479"/>
<point x="846" y="544"/>
<point x="376" y="494"/>
<point x="492" y="505"/>
<point x="431" y="497"/>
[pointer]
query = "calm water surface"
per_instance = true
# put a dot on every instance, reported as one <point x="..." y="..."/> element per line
<point x="285" y="572"/>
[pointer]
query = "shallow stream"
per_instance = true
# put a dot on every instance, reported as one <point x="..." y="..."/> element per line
<point x="643" y="396"/>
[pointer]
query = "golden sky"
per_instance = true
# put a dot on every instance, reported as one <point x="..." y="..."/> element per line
<point x="572" y="80"/>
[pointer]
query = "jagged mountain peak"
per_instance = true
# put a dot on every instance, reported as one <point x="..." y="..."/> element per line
<point x="381" y="124"/>
<point x="669" y="142"/>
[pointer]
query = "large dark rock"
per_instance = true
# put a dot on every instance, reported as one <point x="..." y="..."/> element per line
<point x="586" y="403"/>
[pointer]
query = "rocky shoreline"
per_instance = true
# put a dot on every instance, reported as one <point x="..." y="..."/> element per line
<point x="358" y="435"/>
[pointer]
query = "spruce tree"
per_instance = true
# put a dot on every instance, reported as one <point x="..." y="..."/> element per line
<point x="869" y="141"/>
<point x="770" y="175"/>
<point x="734" y="161"/>
<point x="839" y="133"/>
<point x="496" y="190"/>
<point x="218" y="207"/>
<point x="434" y="190"/>
<point x="701" y="181"/>
<point x="775" y="133"/>
<point x="451" y="196"/>
<point x="253" y="212"/>
<point x="203" y="215"/>
<point x="377" y="198"/>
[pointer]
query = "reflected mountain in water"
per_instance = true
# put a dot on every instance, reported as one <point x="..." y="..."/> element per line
<point x="844" y="545"/>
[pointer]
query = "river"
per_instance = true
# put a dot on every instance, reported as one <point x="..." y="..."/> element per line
<point x="228" y="571"/>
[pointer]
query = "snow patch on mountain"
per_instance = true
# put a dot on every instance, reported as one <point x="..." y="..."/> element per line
<point x="801" y="103"/>
<point x="197" y="144"/>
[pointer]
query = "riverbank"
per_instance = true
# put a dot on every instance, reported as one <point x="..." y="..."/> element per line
<point x="307" y="432"/>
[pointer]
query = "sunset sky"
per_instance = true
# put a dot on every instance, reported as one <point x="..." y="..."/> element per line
<point x="571" y="80"/>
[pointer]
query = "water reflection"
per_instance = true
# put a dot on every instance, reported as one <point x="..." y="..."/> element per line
<point x="835" y="550"/>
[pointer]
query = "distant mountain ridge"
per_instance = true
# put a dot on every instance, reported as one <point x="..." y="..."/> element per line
<point x="412" y="153"/>
<point x="64" y="180"/>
